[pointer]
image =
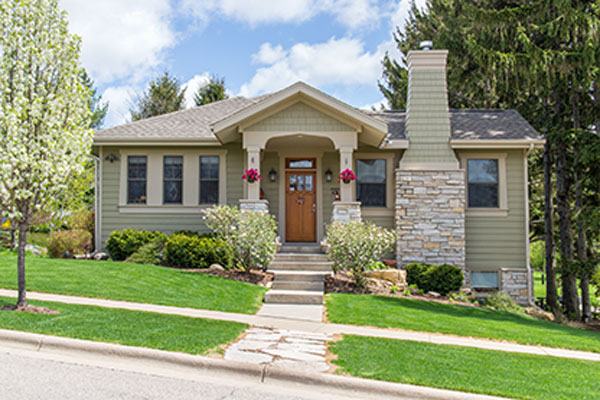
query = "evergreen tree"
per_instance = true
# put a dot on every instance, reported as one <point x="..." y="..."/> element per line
<point x="213" y="91"/>
<point x="164" y="95"/>
<point x="98" y="108"/>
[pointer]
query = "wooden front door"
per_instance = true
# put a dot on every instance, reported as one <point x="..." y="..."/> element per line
<point x="300" y="207"/>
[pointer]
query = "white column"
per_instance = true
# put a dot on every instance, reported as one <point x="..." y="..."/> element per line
<point x="253" y="162"/>
<point x="346" y="163"/>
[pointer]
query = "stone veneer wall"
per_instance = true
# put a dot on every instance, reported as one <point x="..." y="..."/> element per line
<point x="430" y="217"/>
<point x="346" y="211"/>
<point x="514" y="283"/>
<point x="260" y="206"/>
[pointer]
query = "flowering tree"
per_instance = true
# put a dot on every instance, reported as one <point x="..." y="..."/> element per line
<point x="44" y="113"/>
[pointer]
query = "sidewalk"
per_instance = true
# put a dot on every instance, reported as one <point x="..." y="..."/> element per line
<point x="313" y="327"/>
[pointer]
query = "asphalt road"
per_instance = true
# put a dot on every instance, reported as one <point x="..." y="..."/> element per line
<point x="25" y="375"/>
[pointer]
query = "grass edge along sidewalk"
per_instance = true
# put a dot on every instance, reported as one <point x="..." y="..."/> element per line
<point x="466" y="369"/>
<point x="424" y="316"/>
<point x="132" y="328"/>
<point x="133" y="282"/>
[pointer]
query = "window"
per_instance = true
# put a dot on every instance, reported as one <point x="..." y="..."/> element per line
<point x="136" y="179"/>
<point x="209" y="180"/>
<point x="483" y="183"/>
<point x="300" y="163"/>
<point x="484" y="280"/>
<point x="370" y="182"/>
<point x="172" y="179"/>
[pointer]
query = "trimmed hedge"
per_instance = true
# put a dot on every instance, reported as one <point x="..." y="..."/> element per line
<point x="442" y="279"/>
<point x="186" y="251"/>
<point x="122" y="244"/>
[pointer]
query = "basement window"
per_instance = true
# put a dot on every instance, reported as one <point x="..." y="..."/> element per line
<point x="484" y="280"/>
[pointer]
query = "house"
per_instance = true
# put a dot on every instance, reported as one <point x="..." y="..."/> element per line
<point x="452" y="183"/>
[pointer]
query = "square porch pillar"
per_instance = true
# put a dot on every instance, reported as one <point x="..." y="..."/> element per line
<point x="346" y="209"/>
<point x="253" y="161"/>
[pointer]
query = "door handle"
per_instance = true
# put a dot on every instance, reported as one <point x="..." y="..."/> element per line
<point x="314" y="207"/>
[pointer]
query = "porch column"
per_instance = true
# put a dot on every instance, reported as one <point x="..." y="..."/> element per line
<point x="253" y="162"/>
<point x="346" y="209"/>
<point x="346" y="163"/>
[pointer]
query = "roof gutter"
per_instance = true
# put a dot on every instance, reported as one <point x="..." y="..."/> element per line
<point x="156" y="142"/>
<point x="497" y="143"/>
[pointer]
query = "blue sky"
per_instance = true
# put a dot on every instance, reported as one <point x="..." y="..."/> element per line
<point x="258" y="46"/>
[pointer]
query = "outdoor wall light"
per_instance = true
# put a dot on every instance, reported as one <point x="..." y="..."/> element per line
<point x="111" y="158"/>
<point x="328" y="175"/>
<point x="272" y="175"/>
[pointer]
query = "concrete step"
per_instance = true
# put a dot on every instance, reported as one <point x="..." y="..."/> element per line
<point x="294" y="296"/>
<point x="300" y="257"/>
<point x="300" y="248"/>
<point x="324" y="266"/>
<point x="301" y="275"/>
<point x="298" y="285"/>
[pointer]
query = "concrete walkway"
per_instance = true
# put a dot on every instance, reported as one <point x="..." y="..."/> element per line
<point x="313" y="327"/>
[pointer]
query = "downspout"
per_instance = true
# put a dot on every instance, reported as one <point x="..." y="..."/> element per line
<point x="98" y="200"/>
<point x="530" y="294"/>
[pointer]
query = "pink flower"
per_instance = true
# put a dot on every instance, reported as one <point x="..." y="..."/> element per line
<point x="347" y="176"/>
<point x="251" y="175"/>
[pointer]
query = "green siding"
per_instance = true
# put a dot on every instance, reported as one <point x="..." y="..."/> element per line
<point x="299" y="117"/>
<point x="331" y="160"/>
<point x="499" y="242"/>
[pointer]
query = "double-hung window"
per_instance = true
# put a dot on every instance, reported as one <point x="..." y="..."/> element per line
<point x="371" y="182"/>
<point x="209" y="180"/>
<point x="172" y="180"/>
<point x="483" y="183"/>
<point x="137" y="167"/>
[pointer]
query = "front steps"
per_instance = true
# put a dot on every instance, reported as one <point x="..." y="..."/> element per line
<point x="299" y="274"/>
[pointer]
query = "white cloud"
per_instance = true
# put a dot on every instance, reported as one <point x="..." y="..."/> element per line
<point x="351" y="13"/>
<point x="379" y="105"/>
<point x="192" y="87"/>
<point x="337" y="61"/>
<point x="400" y="14"/>
<point x="121" y="39"/>
<point x="267" y="54"/>
<point x="120" y="100"/>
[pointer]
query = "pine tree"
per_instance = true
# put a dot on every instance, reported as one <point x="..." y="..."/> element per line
<point x="213" y="91"/>
<point x="164" y="95"/>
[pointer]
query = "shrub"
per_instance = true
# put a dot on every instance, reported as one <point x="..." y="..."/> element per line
<point x="251" y="236"/>
<point x="356" y="246"/>
<point x="442" y="279"/>
<point x="122" y="244"/>
<point x="195" y="252"/>
<point x="414" y="273"/>
<point x="185" y="232"/>
<point x="76" y="241"/>
<point x="148" y="253"/>
<point x="503" y="302"/>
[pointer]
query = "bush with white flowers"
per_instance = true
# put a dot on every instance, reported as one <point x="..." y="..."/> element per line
<point x="357" y="246"/>
<point x="252" y="236"/>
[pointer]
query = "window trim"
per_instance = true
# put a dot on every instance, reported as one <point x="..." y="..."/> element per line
<point x="389" y="209"/>
<point x="218" y="180"/>
<point x="164" y="157"/>
<point x="502" y="209"/>
<point x="154" y="174"/>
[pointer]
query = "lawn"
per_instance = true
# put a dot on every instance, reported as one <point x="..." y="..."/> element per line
<point x="467" y="369"/>
<point x="134" y="328"/>
<point x="132" y="282"/>
<point x="424" y="316"/>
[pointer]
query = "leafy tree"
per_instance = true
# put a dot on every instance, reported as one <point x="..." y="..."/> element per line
<point x="213" y="91"/>
<point x="44" y="113"/>
<point x="539" y="57"/>
<point x="164" y="95"/>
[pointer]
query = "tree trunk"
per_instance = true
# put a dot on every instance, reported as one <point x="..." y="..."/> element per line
<point x="12" y="239"/>
<point x="22" y="300"/>
<point x="551" y="292"/>
<point x="569" y="280"/>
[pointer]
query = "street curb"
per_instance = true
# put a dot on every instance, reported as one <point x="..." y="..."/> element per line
<point x="262" y="373"/>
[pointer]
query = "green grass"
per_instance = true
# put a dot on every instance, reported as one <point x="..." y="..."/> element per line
<point x="132" y="282"/>
<point x="134" y="328"/>
<point x="467" y="369"/>
<point x="539" y="288"/>
<point x="424" y="316"/>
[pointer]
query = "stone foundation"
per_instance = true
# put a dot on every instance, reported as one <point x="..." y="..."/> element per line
<point x="430" y="217"/>
<point x="514" y="283"/>
<point x="259" y="206"/>
<point x="346" y="211"/>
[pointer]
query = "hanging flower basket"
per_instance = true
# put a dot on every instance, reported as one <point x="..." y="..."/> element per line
<point x="347" y="176"/>
<point x="251" y="175"/>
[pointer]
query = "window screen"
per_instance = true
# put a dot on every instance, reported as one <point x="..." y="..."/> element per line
<point x="483" y="183"/>
<point x="370" y="182"/>
<point x="209" y="179"/>
<point x="136" y="179"/>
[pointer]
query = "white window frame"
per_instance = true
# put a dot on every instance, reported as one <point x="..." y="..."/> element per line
<point x="389" y="209"/>
<point x="154" y="180"/>
<point x="502" y="209"/>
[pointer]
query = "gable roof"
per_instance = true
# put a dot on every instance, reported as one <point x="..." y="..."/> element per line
<point x="198" y="124"/>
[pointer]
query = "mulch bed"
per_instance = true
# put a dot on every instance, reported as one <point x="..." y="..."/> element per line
<point x="30" y="309"/>
<point x="254" y="276"/>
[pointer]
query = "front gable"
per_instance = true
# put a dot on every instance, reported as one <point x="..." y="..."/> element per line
<point x="299" y="117"/>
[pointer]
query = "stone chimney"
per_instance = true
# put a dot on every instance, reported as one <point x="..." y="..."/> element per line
<point x="430" y="187"/>
<point x="428" y="117"/>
